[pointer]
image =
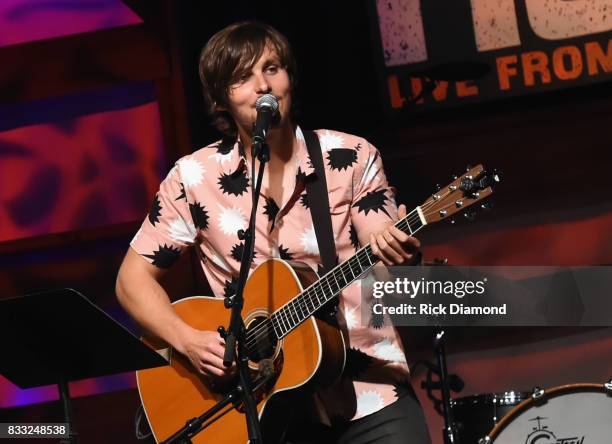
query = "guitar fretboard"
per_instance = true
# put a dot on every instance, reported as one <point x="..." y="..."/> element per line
<point x="305" y="304"/>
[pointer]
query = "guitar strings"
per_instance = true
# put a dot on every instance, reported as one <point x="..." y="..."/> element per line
<point x="277" y="316"/>
<point x="316" y="289"/>
<point x="276" y="319"/>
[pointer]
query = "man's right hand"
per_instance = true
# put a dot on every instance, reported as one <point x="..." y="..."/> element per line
<point x="205" y="350"/>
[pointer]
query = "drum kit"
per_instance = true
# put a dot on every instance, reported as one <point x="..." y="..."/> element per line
<point x="578" y="413"/>
<point x="566" y="414"/>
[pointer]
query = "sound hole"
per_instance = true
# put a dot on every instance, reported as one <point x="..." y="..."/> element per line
<point x="261" y="339"/>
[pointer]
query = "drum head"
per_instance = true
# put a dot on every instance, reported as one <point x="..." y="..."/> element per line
<point x="571" y="414"/>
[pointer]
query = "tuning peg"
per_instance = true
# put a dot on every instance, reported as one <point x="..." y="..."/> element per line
<point x="453" y="221"/>
<point x="455" y="177"/>
<point x="438" y="187"/>
<point x="486" y="205"/>
<point x="470" y="215"/>
<point x="497" y="175"/>
<point x="468" y="168"/>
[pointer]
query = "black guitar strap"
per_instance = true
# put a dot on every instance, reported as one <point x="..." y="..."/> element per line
<point x="318" y="200"/>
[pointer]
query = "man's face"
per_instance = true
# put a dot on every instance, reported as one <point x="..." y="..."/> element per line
<point x="266" y="77"/>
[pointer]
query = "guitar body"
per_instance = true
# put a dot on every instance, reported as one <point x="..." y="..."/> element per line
<point x="313" y="353"/>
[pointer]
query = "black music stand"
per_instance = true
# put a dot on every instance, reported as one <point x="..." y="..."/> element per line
<point x="58" y="336"/>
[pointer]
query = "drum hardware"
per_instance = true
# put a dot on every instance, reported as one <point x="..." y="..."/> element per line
<point x="445" y="384"/>
<point x="537" y="393"/>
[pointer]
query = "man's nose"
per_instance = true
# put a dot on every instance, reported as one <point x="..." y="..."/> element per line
<point x="263" y="86"/>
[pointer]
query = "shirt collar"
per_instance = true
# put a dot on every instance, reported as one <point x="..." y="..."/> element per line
<point x="239" y="160"/>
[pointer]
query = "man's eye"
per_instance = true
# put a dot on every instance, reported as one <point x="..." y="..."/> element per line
<point x="272" y="68"/>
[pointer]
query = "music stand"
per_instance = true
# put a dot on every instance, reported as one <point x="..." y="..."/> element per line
<point x="58" y="336"/>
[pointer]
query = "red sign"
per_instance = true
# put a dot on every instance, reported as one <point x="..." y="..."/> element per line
<point x="527" y="45"/>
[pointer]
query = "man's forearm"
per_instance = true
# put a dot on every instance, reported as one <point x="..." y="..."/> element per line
<point x="148" y="303"/>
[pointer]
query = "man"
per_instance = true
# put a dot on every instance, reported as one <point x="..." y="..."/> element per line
<point x="205" y="200"/>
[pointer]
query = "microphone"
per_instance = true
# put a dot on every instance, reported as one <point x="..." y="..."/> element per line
<point x="267" y="107"/>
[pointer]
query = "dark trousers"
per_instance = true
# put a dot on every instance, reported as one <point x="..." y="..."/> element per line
<point x="402" y="422"/>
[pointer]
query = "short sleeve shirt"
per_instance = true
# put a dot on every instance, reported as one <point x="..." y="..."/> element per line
<point x="206" y="199"/>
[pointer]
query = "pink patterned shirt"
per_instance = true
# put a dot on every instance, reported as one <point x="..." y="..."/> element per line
<point x="206" y="199"/>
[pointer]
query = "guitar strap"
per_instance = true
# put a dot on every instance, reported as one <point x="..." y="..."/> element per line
<point x="318" y="200"/>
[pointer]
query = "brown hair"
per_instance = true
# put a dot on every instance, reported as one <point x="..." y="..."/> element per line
<point x="231" y="53"/>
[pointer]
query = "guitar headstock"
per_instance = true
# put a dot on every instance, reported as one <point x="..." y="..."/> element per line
<point x="463" y="192"/>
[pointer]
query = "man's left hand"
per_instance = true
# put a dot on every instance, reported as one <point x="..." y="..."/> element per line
<point x="393" y="246"/>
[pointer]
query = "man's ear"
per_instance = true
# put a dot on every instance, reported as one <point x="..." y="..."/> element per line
<point x="219" y="108"/>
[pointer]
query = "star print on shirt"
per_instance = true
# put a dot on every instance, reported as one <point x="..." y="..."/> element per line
<point x="369" y="401"/>
<point x="387" y="350"/>
<point x="402" y="388"/>
<point x="191" y="171"/>
<point x="164" y="256"/>
<point x="155" y="212"/>
<point x="304" y="200"/>
<point x="182" y="195"/>
<point x="238" y="250"/>
<point x="235" y="183"/>
<point x="230" y="287"/>
<point x="377" y="320"/>
<point x="182" y="230"/>
<point x="329" y="140"/>
<point x="231" y="220"/>
<point x="271" y="209"/>
<point x="373" y="201"/>
<point x="341" y="158"/>
<point x="199" y="215"/>
<point x="284" y="253"/>
<point x="357" y="362"/>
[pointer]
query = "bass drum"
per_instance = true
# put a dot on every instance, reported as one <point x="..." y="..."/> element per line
<point x="568" y="414"/>
<point x="476" y="415"/>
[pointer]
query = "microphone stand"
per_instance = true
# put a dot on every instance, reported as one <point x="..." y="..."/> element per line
<point x="450" y="432"/>
<point x="236" y="332"/>
<point x="195" y="425"/>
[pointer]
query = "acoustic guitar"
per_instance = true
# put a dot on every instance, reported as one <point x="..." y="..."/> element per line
<point x="298" y="348"/>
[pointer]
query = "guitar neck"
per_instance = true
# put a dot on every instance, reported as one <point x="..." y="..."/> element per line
<point x="305" y="304"/>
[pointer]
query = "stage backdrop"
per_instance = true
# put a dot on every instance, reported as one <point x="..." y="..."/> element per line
<point x="519" y="46"/>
